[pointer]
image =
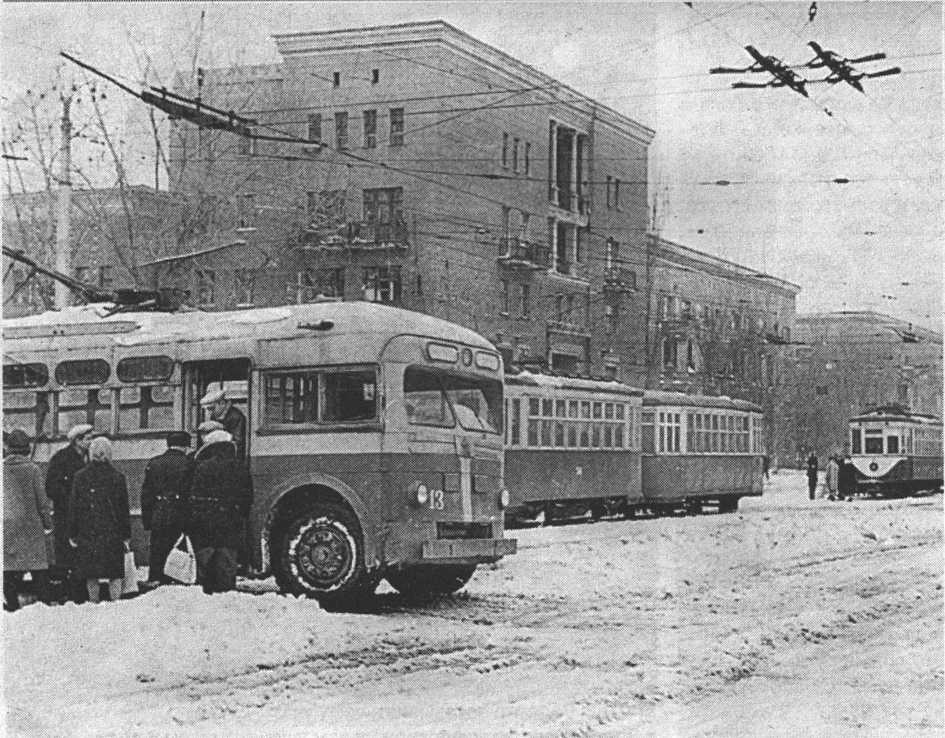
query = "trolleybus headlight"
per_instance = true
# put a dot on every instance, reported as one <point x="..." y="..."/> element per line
<point x="421" y="494"/>
<point x="504" y="498"/>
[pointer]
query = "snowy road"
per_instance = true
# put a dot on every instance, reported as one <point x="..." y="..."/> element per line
<point x="789" y="617"/>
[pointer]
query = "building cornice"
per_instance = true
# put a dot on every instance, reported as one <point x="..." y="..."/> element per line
<point x="424" y="33"/>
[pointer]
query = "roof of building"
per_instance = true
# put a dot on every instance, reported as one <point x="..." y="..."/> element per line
<point x="871" y="325"/>
<point x="438" y="31"/>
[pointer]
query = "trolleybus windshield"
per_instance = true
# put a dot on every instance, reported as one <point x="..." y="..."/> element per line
<point x="439" y="398"/>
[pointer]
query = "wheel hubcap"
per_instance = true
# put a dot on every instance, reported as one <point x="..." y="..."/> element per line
<point x="324" y="554"/>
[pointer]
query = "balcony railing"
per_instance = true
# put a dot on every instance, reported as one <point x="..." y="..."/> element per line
<point x="567" y="268"/>
<point x="521" y="254"/>
<point x="620" y="279"/>
<point x="357" y="235"/>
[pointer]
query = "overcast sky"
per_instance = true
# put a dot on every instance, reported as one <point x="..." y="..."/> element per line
<point x="875" y="243"/>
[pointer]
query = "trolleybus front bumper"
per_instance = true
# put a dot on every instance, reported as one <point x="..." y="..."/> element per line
<point x="479" y="550"/>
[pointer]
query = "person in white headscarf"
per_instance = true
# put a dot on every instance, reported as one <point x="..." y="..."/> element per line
<point x="99" y="523"/>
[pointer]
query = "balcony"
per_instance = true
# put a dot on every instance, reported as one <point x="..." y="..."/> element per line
<point x="523" y="255"/>
<point x="620" y="279"/>
<point x="357" y="235"/>
<point x="569" y="269"/>
<point x="572" y="329"/>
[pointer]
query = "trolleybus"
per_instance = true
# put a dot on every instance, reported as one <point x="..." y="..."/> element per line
<point x="374" y="433"/>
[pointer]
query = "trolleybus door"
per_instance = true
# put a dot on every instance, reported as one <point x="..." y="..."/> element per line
<point x="231" y="375"/>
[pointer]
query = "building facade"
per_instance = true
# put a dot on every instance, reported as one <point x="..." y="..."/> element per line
<point x="845" y="362"/>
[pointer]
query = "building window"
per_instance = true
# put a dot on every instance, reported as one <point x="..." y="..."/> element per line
<point x="326" y="207"/>
<point x="617" y="194"/>
<point x="610" y="255"/>
<point x="205" y="284"/>
<point x="336" y="79"/>
<point x="611" y="316"/>
<point x="506" y="297"/>
<point x="559" y="308"/>
<point x="515" y="155"/>
<point x="610" y="183"/>
<point x="523" y="300"/>
<point x="341" y="131"/>
<point x="382" y="284"/>
<point x="505" y="150"/>
<point x="246" y="204"/>
<point x="397" y="127"/>
<point x="690" y="356"/>
<point x="244" y="286"/>
<point x="318" y="284"/>
<point x="375" y="76"/>
<point x="315" y="127"/>
<point x="669" y="353"/>
<point x="370" y="129"/>
<point x="383" y="209"/>
<point x="528" y="158"/>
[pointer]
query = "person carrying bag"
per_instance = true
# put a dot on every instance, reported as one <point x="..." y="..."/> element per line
<point x="181" y="565"/>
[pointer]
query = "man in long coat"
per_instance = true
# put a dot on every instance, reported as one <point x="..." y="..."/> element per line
<point x="221" y="495"/>
<point x="812" y="476"/>
<point x="59" y="475"/>
<point x="222" y="409"/>
<point x="27" y="520"/>
<point x="164" y="495"/>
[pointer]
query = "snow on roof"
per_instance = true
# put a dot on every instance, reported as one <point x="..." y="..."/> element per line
<point x="661" y="397"/>
<point x="346" y="318"/>
<point x="549" y="380"/>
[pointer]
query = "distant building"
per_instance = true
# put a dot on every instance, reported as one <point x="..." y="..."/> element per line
<point x="845" y="362"/>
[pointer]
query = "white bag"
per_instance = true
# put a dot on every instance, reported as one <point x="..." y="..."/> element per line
<point x="129" y="584"/>
<point x="182" y="565"/>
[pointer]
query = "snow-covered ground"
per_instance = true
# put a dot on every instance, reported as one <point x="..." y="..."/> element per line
<point x="789" y="617"/>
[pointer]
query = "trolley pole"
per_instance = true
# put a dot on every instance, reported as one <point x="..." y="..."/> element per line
<point x="63" y="207"/>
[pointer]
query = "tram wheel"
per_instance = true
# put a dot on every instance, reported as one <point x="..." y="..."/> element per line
<point x="320" y="554"/>
<point x="425" y="580"/>
<point x="728" y="504"/>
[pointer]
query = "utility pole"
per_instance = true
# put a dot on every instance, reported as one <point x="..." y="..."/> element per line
<point x="63" y="206"/>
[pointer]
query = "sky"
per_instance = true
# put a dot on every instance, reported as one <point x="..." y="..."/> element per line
<point x="874" y="243"/>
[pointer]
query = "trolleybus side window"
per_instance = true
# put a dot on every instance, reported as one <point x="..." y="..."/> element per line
<point x="27" y="410"/>
<point x="149" y="407"/>
<point x="92" y="406"/>
<point x="290" y="398"/>
<point x="349" y="396"/>
<point x="874" y="441"/>
<point x="18" y="376"/>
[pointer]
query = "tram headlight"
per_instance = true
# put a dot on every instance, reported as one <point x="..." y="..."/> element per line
<point x="504" y="498"/>
<point x="421" y="494"/>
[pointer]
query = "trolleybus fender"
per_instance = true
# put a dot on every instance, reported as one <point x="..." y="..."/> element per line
<point x="268" y="506"/>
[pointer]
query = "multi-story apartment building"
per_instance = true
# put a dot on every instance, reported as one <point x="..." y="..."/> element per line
<point x="845" y="362"/>
<point x="430" y="170"/>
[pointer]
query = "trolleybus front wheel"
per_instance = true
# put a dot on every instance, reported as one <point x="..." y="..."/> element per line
<point x="320" y="553"/>
<point x="417" y="582"/>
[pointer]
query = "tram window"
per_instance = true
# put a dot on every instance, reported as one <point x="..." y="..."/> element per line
<point x="572" y="435"/>
<point x="85" y="371"/>
<point x="145" y="368"/>
<point x="545" y="432"/>
<point x="618" y="436"/>
<point x="515" y="423"/>
<point x="598" y="411"/>
<point x="28" y="411"/>
<point x="146" y="408"/>
<point x="349" y="396"/>
<point x="647" y="429"/>
<point x="892" y="444"/>
<point x="619" y="411"/>
<point x="874" y="442"/>
<point x="608" y="435"/>
<point x="572" y="408"/>
<point x="585" y="410"/>
<point x="534" y="407"/>
<point x="79" y="406"/>
<point x="24" y="375"/>
<point x="585" y="436"/>
<point x="559" y="433"/>
<point x="560" y="409"/>
<point x="608" y="411"/>
<point x="546" y="408"/>
<point x="856" y="442"/>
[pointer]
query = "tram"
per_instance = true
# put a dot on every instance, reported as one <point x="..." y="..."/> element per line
<point x="374" y="434"/>
<point x="699" y="450"/>
<point x="572" y="447"/>
<point x="895" y="451"/>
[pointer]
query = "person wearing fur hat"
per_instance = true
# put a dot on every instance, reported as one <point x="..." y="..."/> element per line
<point x="59" y="475"/>
<point x="164" y="500"/>
<point x="221" y="494"/>
<point x="222" y="409"/>
<point x="27" y="521"/>
<point x="99" y="523"/>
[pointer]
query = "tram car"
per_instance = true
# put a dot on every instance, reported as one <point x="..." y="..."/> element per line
<point x="572" y="448"/>
<point x="895" y="451"/>
<point x="699" y="450"/>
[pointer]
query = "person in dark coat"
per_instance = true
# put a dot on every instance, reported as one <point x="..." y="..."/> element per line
<point x="231" y="417"/>
<point x="59" y="475"/>
<point x="27" y="522"/>
<point x="846" y="480"/>
<point x="99" y="523"/>
<point x="220" y="498"/>
<point x="812" y="476"/>
<point x="164" y="495"/>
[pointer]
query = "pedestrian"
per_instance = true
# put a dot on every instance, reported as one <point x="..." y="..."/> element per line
<point x="59" y="475"/>
<point x="846" y="480"/>
<point x="164" y="495"/>
<point x="99" y="523"/>
<point x="812" y="475"/>
<point x="220" y="498"/>
<point x="222" y="409"/>
<point x="833" y="477"/>
<point x="765" y="465"/>
<point x="27" y="522"/>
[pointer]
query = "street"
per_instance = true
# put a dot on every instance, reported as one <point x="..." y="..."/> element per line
<point x="788" y="617"/>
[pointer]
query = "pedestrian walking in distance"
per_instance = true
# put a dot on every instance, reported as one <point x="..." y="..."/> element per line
<point x="833" y="477"/>
<point x="812" y="476"/>
<point x="27" y="522"/>
<point x="231" y="417"/>
<point x="99" y="524"/>
<point x="59" y="475"/>
<point x="220" y="498"/>
<point x="847" y="480"/>
<point x="164" y="493"/>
